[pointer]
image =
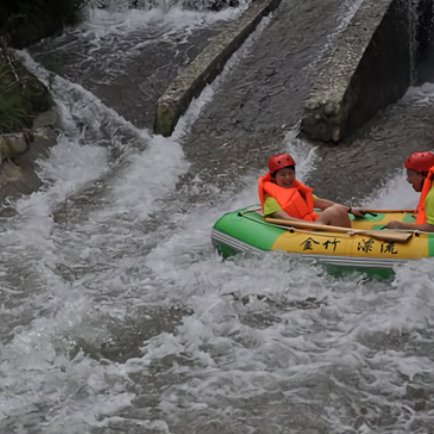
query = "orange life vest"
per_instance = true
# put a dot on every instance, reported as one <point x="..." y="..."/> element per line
<point x="296" y="201"/>
<point x="421" y="208"/>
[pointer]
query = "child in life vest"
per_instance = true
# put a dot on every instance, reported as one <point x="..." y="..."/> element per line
<point x="282" y="196"/>
<point x="420" y="174"/>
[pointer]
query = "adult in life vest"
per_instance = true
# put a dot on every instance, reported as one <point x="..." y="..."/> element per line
<point x="420" y="174"/>
<point x="283" y="196"/>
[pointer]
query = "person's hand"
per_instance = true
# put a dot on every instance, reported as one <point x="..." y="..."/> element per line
<point x="393" y="225"/>
<point x="357" y="212"/>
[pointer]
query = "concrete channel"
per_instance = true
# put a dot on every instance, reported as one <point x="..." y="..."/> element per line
<point x="206" y="66"/>
<point x="369" y="69"/>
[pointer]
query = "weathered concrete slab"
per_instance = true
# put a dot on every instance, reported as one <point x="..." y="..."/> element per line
<point x="206" y="66"/>
<point x="369" y="69"/>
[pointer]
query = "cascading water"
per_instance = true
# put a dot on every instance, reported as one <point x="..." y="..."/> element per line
<point x="118" y="317"/>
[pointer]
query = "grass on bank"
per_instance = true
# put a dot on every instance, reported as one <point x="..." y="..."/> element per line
<point x="13" y="116"/>
<point x="22" y="23"/>
<point x="22" y="96"/>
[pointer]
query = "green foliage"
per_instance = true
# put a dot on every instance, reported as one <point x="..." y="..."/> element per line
<point x="22" y="96"/>
<point x="13" y="115"/>
<point x="24" y="22"/>
<point x="27" y="21"/>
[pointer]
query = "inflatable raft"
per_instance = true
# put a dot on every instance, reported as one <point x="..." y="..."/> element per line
<point x="366" y="245"/>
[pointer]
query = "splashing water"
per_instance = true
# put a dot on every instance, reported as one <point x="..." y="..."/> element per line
<point x="118" y="316"/>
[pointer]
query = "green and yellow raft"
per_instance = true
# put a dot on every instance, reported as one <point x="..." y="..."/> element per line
<point x="364" y="246"/>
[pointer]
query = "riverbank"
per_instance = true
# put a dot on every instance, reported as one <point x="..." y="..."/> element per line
<point x="27" y="121"/>
<point x="27" y="113"/>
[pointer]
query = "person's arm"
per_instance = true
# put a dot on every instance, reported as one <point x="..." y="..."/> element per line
<point x="425" y="227"/>
<point x="322" y="203"/>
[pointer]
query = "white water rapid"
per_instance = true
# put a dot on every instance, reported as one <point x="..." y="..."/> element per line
<point x="117" y="316"/>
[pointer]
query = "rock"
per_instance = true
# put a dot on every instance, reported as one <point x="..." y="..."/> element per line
<point x="12" y="145"/>
<point x="19" y="152"/>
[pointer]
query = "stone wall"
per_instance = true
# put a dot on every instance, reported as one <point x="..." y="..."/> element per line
<point x="369" y="69"/>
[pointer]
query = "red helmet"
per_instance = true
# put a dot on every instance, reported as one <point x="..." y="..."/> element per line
<point x="280" y="161"/>
<point x="420" y="161"/>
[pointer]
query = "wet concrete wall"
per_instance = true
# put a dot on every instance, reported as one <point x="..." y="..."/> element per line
<point x="369" y="69"/>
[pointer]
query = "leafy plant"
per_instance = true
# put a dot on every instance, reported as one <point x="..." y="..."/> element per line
<point x="13" y="116"/>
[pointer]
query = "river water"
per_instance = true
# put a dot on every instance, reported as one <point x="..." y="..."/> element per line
<point x="117" y="315"/>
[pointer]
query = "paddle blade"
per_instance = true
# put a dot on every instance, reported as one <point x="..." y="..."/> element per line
<point x="386" y="235"/>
